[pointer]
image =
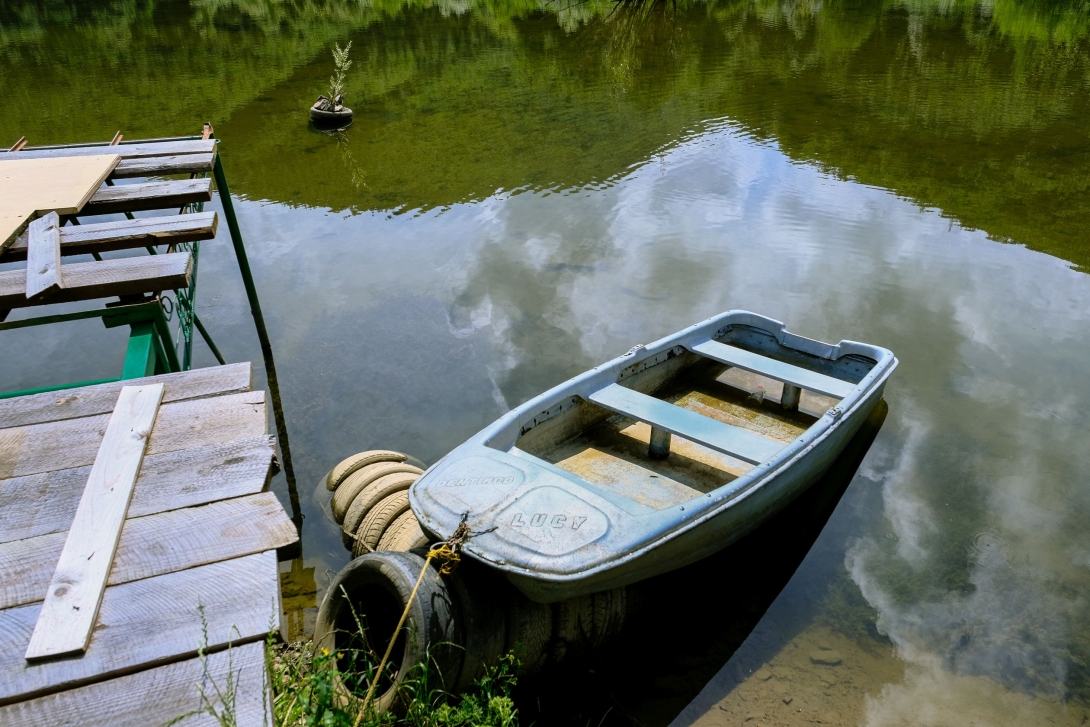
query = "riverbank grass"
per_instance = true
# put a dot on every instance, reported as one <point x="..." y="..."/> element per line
<point x="305" y="693"/>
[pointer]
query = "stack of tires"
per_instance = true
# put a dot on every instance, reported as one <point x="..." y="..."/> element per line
<point x="459" y="624"/>
<point x="371" y="501"/>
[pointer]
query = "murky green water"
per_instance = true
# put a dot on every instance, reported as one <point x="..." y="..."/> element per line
<point x="532" y="188"/>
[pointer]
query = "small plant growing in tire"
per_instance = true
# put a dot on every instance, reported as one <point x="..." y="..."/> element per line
<point x="334" y="102"/>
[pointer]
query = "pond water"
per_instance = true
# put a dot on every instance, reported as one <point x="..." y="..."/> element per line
<point x="532" y="187"/>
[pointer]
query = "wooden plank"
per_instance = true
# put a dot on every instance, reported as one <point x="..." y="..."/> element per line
<point x="162" y="165"/>
<point x="86" y="401"/>
<point x="105" y="279"/>
<point x="711" y="433"/>
<point x="127" y="151"/>
<point x="75" y="591"/>
<point x="71" y="443"/>
<point x="32" y="187"/>
<point x="773" y="369"/>
<point x="149" y="622"/>
<point x="157" y="696"/>
<point x="126" y="234"/>
<point x="46" y="502"/>
<point x="149" y="196"/>
<point x="156" y="544"/>
<point x="43" y="269"/>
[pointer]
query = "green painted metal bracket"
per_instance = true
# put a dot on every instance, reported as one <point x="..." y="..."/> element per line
<point x="140" y="357"/>
<point x="151" y="314"/>
<point x="58" y="387"/>
<point x="149" y="351"/>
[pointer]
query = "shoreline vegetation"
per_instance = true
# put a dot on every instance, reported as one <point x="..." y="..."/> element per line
<point x="307" y="691"/>
<point x="319" y="688"/>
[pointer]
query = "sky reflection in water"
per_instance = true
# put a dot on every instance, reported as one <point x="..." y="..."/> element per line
<point x="522" y="198"/>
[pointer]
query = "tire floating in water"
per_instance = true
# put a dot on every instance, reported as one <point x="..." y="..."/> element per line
<point x="404" y="533"/>
<point x="349" y="465"/>
<point x="378" y="519"/>
<point x="358" y="481"/>
<point x="368" y="498"/>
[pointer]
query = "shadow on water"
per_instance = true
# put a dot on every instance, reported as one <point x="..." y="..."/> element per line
<point x="689" y="622"/>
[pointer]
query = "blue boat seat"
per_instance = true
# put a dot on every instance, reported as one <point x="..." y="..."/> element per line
<point x="773" y="369"/>
<point x="711" y="433"/>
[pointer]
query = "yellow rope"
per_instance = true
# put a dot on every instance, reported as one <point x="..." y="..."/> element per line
<point x="390" y="648"/>
<point x="447" y="553"/>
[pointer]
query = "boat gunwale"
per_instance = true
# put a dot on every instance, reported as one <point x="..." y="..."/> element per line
<point x="672" y="522"/>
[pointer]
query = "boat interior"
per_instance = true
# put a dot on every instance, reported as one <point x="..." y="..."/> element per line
<point x="680" y="424"/>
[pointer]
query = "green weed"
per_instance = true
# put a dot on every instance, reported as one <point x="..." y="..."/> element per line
<point x="306" y="694"/>
<point x="341" y="64"/>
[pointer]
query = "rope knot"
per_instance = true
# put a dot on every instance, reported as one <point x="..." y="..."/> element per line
<point x="447" y="552"/>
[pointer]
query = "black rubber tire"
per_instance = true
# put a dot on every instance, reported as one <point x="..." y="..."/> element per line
<point x="347" y="466"/>
<point x="378" y="586"/>
<point x="479" y="595"/>
<point x="318" y="116"/>
<point x="366" y="500"/>
<point x="529" y="631"/>
<point x="378" y="519"/>
<point x="404" y="533"/>
<point x="573" y="623"/>
<point x="358" y="481"/>
<point x="609" y="615"/>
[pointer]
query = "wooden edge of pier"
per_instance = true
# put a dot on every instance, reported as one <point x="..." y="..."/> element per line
<point x="195" y="570"/>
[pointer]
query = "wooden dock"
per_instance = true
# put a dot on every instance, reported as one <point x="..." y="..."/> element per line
<point x="195" y="565"/>
<point x="138" y="538"/>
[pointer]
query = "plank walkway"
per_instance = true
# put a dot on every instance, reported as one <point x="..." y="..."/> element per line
<point x="195" y="563"/>
<point x="150" y="158"/>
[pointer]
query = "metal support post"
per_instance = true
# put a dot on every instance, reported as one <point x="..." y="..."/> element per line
<point x="660" y="443"/>
<point x="140" y="355"/>
<point x="208" y="339"/>
<point x="262" y="334"/>
<point x="790" y="397"/>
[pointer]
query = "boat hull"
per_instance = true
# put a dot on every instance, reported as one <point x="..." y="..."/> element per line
<point x="556" y="535"/>
<point x="708" y="537"/>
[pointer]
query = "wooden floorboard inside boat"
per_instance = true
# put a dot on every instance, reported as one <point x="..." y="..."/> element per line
<point x="613" y="453"/>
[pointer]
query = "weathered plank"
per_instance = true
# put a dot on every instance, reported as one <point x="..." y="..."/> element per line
<point x="126" y="234"/>
<point x="46" y="502"/>
<point x="75" y="591"/>
<point x="94" y="279"/>
<point x="180" y="425"/>
<point x="127" y="151"/>
<point x="43" y="269"/>
<point x="159" y="695"/>
<point x="30" y="187"/>
<point x="149" y="622"/>
<point x="156" y="544"/>
<point x="148" y="196"/>
<point x="162" y="165"/>
<point x="54" y="406"/>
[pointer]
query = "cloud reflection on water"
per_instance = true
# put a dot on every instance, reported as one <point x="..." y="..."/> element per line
<point x="984" y="410"/>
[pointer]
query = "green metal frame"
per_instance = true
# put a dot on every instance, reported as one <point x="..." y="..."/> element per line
<point x="147" y="353"/>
